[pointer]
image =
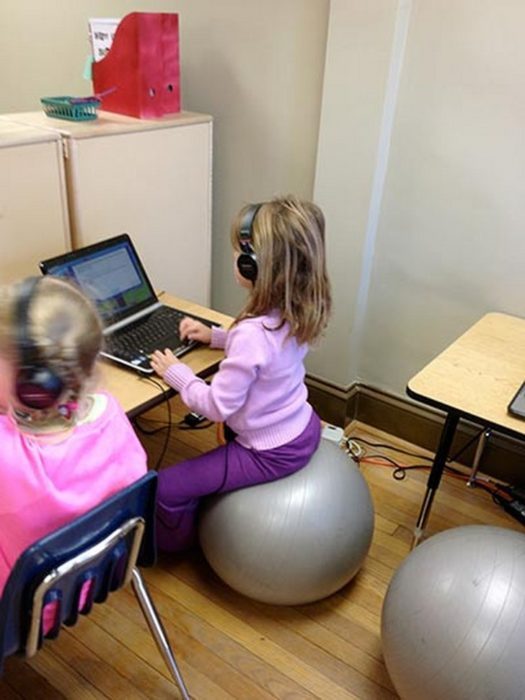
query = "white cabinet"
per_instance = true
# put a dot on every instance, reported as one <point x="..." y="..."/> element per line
<point x="148" y="178"/>
<point x="33" y="210"/>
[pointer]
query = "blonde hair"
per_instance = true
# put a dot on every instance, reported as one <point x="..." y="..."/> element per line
<point x="63" y="327"/>
<point x="288" y="239"/>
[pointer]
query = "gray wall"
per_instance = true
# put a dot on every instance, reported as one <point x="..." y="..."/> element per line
<point x="451" y="236"/>
<point x="409" y="135"/>
<point x="256" y="67"/>
<point x="421" y="173"/>
<point x="356" y="77"/>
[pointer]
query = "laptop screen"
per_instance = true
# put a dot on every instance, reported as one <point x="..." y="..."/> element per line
<point x="110" y="273"/>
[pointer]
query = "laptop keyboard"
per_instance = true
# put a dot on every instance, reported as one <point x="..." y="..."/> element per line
<point x="159" y="331"/>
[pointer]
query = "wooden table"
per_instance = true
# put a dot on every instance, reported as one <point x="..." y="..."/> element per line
<point x="475" y="378"/>
<point x="135" y="392"/>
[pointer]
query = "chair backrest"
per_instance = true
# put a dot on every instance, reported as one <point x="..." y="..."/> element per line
<point x="101" y="546"/>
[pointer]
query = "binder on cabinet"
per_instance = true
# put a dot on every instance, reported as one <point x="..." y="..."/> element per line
<point x="140" y="74"/>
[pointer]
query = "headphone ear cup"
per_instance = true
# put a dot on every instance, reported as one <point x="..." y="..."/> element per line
<point x="38" y="387"/>
<point x="247" y="266"/>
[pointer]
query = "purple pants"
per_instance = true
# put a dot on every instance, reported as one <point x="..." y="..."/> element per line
<point x="226" y="468"/>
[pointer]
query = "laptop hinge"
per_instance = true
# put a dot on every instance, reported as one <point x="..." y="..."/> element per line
<point x="135" y="317"/>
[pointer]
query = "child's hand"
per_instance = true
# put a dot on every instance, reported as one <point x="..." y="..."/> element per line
<point x="162" y="361"/>
<point x="190" y="329"/>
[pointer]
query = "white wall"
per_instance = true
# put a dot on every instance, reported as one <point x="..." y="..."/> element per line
<point x="450" y="242"/>
<point x="358" y="57"/>
<point x="256" y="67"/>
<point x="423" y="184"/>
<point x="421" y="160"/>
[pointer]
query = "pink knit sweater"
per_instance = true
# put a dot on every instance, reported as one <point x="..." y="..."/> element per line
<point x="45" y="485"/>
<point x="259" y="390"/>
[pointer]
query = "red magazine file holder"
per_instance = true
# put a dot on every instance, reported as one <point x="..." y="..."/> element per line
<point x="140" y="75"/>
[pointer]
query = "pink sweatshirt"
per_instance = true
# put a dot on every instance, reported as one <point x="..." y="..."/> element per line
<point x="43" y="486"/>
<point x="259" y="390"/>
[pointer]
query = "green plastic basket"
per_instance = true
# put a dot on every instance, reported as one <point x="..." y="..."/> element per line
<point x="76" y="109"/>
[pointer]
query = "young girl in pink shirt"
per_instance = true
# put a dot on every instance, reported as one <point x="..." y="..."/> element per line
<point x="259" y="390"/>
<point x="64" y="447"/>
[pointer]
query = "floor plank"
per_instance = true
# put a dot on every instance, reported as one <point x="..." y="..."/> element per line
<point x="232" y="648"/>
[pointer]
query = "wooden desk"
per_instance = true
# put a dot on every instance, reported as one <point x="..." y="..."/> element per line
<point x="475" y="378"/>
<point x="135" y="393"/>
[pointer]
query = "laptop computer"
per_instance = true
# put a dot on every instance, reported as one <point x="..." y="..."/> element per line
<point x="135" y="322"/>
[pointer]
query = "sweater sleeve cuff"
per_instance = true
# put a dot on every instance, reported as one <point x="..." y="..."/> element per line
<point x="178" y="375"/>
<point x="218" y="337"/>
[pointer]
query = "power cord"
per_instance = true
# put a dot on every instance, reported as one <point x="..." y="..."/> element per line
<point x="191" y="421"/>
<point x="167" y="426"/>
<point x="400" y="470"/>
<point x="510" y="498"/>
<point x="183" y="424"/>
<point x="354" y="447"/>
<point x="147" y="431"/>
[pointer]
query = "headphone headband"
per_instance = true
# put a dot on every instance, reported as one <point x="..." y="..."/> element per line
<point x="247" y="260"/>
<point x="245" y="231"/>
<point x="37" y="386"/>
<point x="25" y="296"/>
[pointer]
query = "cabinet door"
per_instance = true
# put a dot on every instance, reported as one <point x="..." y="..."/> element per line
<point x="33" y="211"/>
<point x="155" y="185"/>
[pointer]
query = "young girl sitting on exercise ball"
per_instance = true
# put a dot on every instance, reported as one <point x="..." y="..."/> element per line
<point x="259" y="390"/>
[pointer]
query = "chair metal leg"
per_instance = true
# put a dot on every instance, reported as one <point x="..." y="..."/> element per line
<point x="157" y="629"/>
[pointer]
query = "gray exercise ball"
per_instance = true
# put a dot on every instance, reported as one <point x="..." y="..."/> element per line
<point x="453" y="619"/>
<point x="294" y="540"/>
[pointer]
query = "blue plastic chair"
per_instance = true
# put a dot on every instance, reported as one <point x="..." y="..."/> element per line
<point x="105" y="546"/>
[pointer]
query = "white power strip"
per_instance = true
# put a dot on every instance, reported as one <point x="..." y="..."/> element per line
<point x="332" y="433"/>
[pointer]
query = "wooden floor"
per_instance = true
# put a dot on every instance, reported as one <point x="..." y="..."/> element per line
<point x="231" y="647"/>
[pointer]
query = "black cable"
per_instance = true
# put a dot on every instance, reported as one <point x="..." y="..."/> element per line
<point x="168" y="426"/>
<point x="202" y="426"/>
<point x="387" y="459"/>
<point x="399" y="469"/>
<point x="454" y="457"/>
<point x="390" y="447"/>
<point x="146" y="431"/>
<point x="399" y="472"/>
<point x="501" y="494"/>
<point x="181" y="425"/>
<point x="498" y="492"/>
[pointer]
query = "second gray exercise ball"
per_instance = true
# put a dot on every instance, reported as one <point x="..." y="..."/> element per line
<point x="294" y="540"/>
<point x="453" y="619"/>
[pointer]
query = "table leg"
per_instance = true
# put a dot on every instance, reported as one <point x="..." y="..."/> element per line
<point x="477" y="457"/>
<point x="438" y="466"/>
